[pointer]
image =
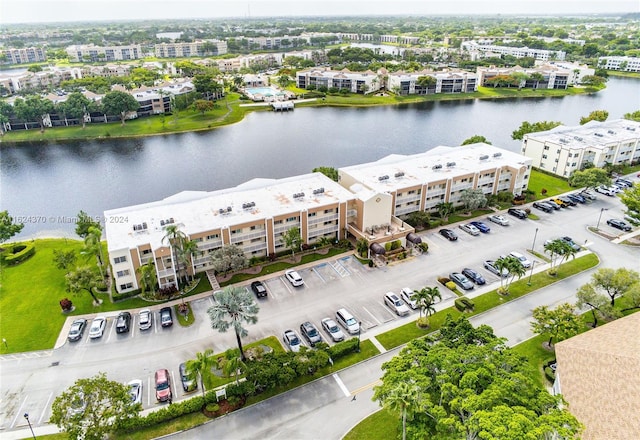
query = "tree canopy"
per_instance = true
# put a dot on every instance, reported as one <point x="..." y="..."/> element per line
<point x="330" y="172"/>
<point x="475" y="139"/>
<point x="560" y="323"/>
<point x="596" y="115"/>
<point x="528" y="127"/>
<point x="633" y="116"/>
<point x="119" y="103"/>
<point x="631" y="199"/>
<point x="589" y="178"/>
<point x="83" y="222"/>
<point x="7" y="226"/>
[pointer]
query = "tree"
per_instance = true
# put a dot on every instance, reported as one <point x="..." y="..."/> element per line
<point x="176" y="239"/>
<point x="362" y="247"/>
<point x="403" y="398"/>
<point x="92" y="408"/>
<point x="527" y="127"/>
<point x="83" y="222"/>
<point x="228" y="258"/>
<point x="284" y="81"/>
<point x="119" y="103"/>
<point x="83" y="278"/>
<point x="200" y="365"/>
<point x="148" y="277"/>
<point x="7" y="227"/>
<point x="560" y="323"/>
<point x="202" y="106"/>
<point x="185" y="254"/>
<point x="426" y="299"/>
<point x="232" y="364"/>
<point x="418" y="219"/>
<point x="614" y="282"/>
<point x="558" y="250"/>
<point x="589" y="178"/>
<point x="444" y="209"/>
<point x="292" y="239"/>
<point x="596" y="115"/>
<point x="593" y="80"/>
<point x="537" y="77"/>
<point x="33" y="108"/>
<point x="599" y="304"/>
<point x="473" y="199"/>
<point x="633" y="116"/>
<point x="64" y="259"/>
<point x="631" y="199"/>
<point x="207" y="85"/>
<point x="5" y="113"/>
<point x="233" y="306"/>
<point x="520" y="78"/>
<point x="475" y="139"/>
<point x="330" y="172"/>
<point x="77" y="106"/>
<point x="513" y="267"/>
<point x="93" y="246"/>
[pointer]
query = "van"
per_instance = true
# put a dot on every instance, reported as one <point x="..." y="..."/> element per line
<point x="347" y="320"/>
<point x="163" y="385"/>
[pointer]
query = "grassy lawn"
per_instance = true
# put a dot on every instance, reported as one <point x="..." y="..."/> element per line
<point x="381" y="425"/>
<point x="553" y="185"/>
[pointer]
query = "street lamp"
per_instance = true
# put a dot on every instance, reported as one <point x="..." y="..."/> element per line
<point x="531" y="273"/>
<point x="533" y="246"/>
<point x="600" y="217"/>
<point x="359" y="330"/>
<point x="26" y="416"/>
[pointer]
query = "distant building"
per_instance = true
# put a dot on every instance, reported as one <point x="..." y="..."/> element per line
<point x="563" y="150"/>
<point x="479" y="50"/>
<point x="447" y="81"/>
<point x="92" y="53"/>
<point x="24" y="56"/>
<point x="193" y="49"/>
<point x="552" y="77"/>
<point x="355" y="82"/>
<point x="624" y="64"/>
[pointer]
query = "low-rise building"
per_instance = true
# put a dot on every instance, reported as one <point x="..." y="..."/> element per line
<point x="563" y="150"/>
<point x="447" y="81"/>
<point x="191" y="49"/>
<point x="545" y="76"/>
<point x="355" y="82"/>
<point x="478" y="50"/>
<point x="24" y="55"/>
<point x="93" y="53"/>
<point x="624" y="64"/>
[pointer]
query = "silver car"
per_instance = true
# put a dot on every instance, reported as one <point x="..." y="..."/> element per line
<point x="135" y="390"/>
<point x="331" y="327"/>
<point x="469" y="229"/>
<point x="145" y="318"/>
<point x="408" y="296"/>
<point x="499" y="219"/>
<point x="396" y="304"/>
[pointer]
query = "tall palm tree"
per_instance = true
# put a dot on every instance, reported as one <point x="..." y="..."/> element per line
<point x="426" y="299"/>
<point x="515" y="269"/>
<point x="402" y="398"/>
<point x="201" y="364"/>
<point x="185" y="253"/>
<point x="148" y="278"/>
<point x="176" y="239"/>
<point x="93" y="245"/>
<point x="233" y="364"/>
<point x="234" y="305"/>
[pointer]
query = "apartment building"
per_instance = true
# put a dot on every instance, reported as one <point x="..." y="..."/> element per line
<point x="25" y="55"/>
<point x="625" y="64"/>
<point x="253" y="216"/>
<point x="551" y="76"/>
<point x="49" y="77"/>
<point x="193" y="49"/>
<point x="355" y="82"/>
<point x="563" y="150"/>
<point x="399" y="39"/>
<point x="93" y="53"/>
<point x="448" y="81"/>
<point x="419" y="182"/>
<point x="478" y="50"/>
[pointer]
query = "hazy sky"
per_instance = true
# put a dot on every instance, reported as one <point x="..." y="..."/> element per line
<point x="38" y="11"/>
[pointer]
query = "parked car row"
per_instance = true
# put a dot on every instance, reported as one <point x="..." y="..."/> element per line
<point x="313" y="336"/>
<point x="123" y="323"/>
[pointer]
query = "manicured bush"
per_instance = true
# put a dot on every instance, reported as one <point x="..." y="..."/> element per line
<point x="424" y="247"/>
<point x="451" y="286"/>
<point x="387" y="246"/>
<point x="165" y="414"/>
<point x="396" y="244"/>
<point x="343" y="348"/>
<point x="66" y="304"/>
<point x="443" y="280"/>
<point x="18" y="253"/>
<point x="122" y="296"/>
<point x="463" y="304"/>
<point x="549" y="374"/>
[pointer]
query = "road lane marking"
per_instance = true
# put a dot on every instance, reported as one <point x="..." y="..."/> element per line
<point x="366" y="387"/>
<point x="341" y="385"/>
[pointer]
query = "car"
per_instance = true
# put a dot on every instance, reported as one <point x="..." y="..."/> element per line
<point x="408" y="295"/>
<point x="567" y="201"/>
<point x="78" y="404"/>
<point x="587" y="194"/>
<point x="461" y="281"/>
<point x="473" y="276"/>
<point x="560" y="203"/>
<point x="163" y="385"/>
<point x="259" y="289"/>
<point x="331" y="327"/>
<point x="521" y="258"/>
<point x="396" y="304"/>
<point x="188" y="380"/>
<point x="145" y="319"/>
<point x="542" y="206"/>
<point x="482" y="227"/>
<point x="624" y="182"/>
<point x="123" y="322"/>
<point x="347" y="320"/>
<point x="135" y="390"/>
<point x="469" y="229"/>
<point x="499" y="219"/>
<point x="294" y="278"/>
<point x="605" y="190"/>
<point x="619" y="224"/>
<point x="490" y="265"/>
<point x="292" y="340"/>
<point x="448" y="234"/>
<point x="77" y="329"/>
<point x="552" y="205"/>
<point x="577" y="198"/>
<point x="516" y="212"/>
<point x="97" y="327"/>
<point x="615" y="189"/>
<point x="310" y="333"/>
<point x="166" y="317"/>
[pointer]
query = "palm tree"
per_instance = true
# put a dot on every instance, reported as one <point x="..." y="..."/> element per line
<point x="515" y="269"/>
<point x="148" y="278"/>
<point x="426" y="299"/>
<point x="559" y="250"/>
<point x="93" y="245"/>
<point x="233" y="364"/>
<point x="189" y="249"/>
<point x="176" y="239"/>
<point x="203" y="362"/>
<point x="402" y="398"/>
<point x="234" y="305"/>
<point x="502" y="264"/>
<point x="444" y="209"/>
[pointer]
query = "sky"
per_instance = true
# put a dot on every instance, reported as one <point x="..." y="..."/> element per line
<point x="43" y="11"/>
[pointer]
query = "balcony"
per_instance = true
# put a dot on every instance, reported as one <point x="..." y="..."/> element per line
<point x="322" y="231"/>
<point x="255" y="247"/>
<point x="285" y="227"/>
<point x="408" y="198"/>
<point x="461" y="186"/>
<point x="235" y="238"/>
<point x="166" y="273"/>
<point x="322" y="219"/>
<point x="436" y="192"/>
<point x="210" y="245"/>
<point x="406" y="209"/>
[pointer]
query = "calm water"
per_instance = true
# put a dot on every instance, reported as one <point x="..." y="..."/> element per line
<point x="50" y="182"/>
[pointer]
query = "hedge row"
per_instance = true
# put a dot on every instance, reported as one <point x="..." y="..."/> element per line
<point x="16" y="254"/>
<point x="463" y="304"/>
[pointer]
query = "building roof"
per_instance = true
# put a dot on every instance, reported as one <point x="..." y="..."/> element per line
<point x="593" y="134"/>
<point x="599" y="376"/>
<point x="398" y="171"/>
<point x="200" y="211"/>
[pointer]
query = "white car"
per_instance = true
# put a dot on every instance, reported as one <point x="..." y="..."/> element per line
<point x="469" y="229"/>
<point x="525" y="262"/>
<point x="145" y="318"/>
<point x="294" y="278"/>
<point x="605" y="190"/>
<point x="331" y="327"/>
<point x="499" y="219"/>
<point x="97" y="327"/>
<point x="135" y="390"/>
<point x="396" y="304"/>
<point x="408" y="296"/>
<point x="292" y="340"/>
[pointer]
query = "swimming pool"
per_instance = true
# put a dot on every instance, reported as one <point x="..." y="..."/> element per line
<point x="264" y="91"/>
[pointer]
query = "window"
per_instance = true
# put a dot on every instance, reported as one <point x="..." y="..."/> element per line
<point x="277" y="222"/>
<point x="546" y="147"/>
<point x="213" y="236"/>
<point x="252" y="228"/>
<point x="327" y="211"/>
<point x="123" y="273"/>
<point x="236" y="231"/>
<point x="126" y="286"/>
<point x="544" y="156"/>
<point x="122" y="259"/>
<point x="312" y="214"/>
<point x="146" y="251"/>
<point x="292" y="219"/>
<point x="413" y="191"/>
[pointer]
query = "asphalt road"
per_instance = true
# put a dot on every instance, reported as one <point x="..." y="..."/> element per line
<point x="31" y="381"/>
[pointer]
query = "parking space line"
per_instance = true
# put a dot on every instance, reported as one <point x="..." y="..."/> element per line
<point x="371" y="314"/>
<point x="393" y="316"/>
<point x="285" y="285"/>
<point x="19" y="413"/>
<point x="318" y="273"/>
<point x="148" y="391"/>
<point x="44" y="410"/>
<point x="175" y="386"/>
<point x="341" y="384"/>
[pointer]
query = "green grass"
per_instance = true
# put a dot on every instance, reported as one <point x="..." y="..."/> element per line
<point x="459" y="217"/>
<point x="554" y="185"/>
<point x="185" y="321"/>
<point x="381" y="425"/>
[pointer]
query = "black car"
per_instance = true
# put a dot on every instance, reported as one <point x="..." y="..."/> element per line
<point x="77" y="329"/>
<point x="310" y="333"/>
<point x="166" y="317"/>
<point x="521" y="214"/>
<point x="542" y="206"/>
<point x="576" y="198"/>
<point x="123" y="323"/>
<point x="551" y="204"/>
<point x="448" y="234"/>
<point x="619" y="224"/>
<point x="473" y="276"/>
<point x="259" y="289"/>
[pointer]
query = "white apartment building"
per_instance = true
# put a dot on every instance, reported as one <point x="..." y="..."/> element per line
<point x="419" y="182"/>
<point x="478" y="50"/>
<point x="399" y="39"/>
<point x="625" y="64"/>
<point x="578" y="71"/>
<point x="553" y="77"/>
<point x="93" y="53"/>
<point x="25" y="55"/>
<point x="193" y="49"/>
<point x="355" y="82"/>
<point x="446" y="81"/>
<point x="563" y="150"/>
<point x="50" y="76"/>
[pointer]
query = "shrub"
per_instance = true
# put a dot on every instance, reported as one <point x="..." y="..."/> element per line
<point x="451" y="285"/>
<point x="370" y="263"/>
<point x="66" y="304"/>
<point x="167" y="292"/>
<point x="18" y="253"/>
<point x="549" y="374"/>
<point x="395" y="244"/>
<point x="343" y="348"/>
<point x="464" y="304"/>
<point x="543" y="191"/>
<point x="122" y="296"/>
<point x="443" y="280"/>
<point x="424" y="247"/>
<point x="387" y="246"/>
<point x="212" y="407"/>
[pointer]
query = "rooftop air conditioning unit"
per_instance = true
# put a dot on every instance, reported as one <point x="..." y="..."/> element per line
<point x="451" y="164"/>
<point x="436" y="167"/>
<point x="400" y="174"/>
<point x="484" y="157"/>
<point x="497" y="154"/>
